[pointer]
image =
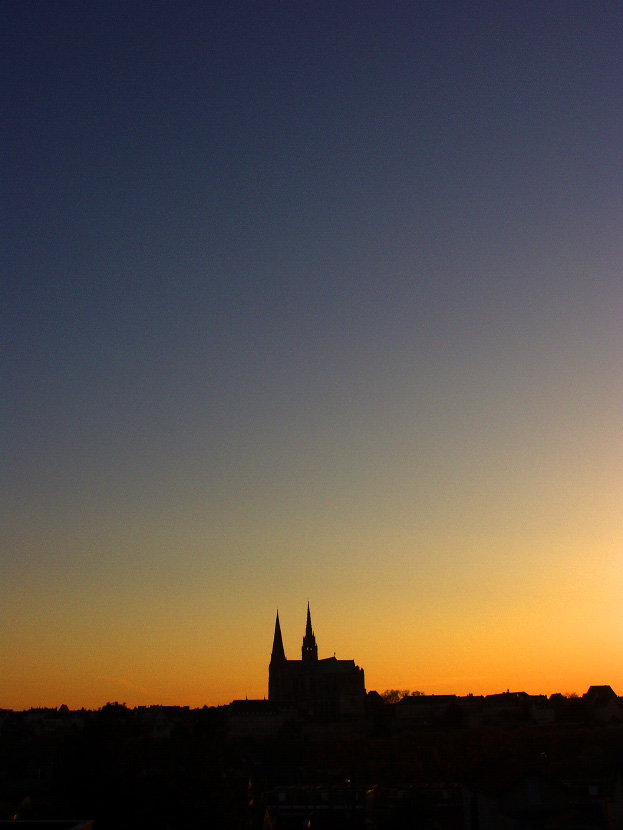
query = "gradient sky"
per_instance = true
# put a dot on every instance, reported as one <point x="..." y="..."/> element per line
<point x="311" y="300"/>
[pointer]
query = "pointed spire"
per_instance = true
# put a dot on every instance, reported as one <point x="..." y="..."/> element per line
<point x="310" y="649"/>
<point x="278" y="653"/>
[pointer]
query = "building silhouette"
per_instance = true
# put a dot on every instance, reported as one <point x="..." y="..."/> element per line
<point x="324" y="688"/>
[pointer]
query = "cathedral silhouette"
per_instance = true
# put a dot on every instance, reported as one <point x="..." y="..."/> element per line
<point x="325" y="688"/>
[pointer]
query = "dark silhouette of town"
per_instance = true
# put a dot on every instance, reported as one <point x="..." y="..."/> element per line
<point x="320" y="751"/>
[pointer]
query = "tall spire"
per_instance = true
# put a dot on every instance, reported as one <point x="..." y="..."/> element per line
<point x="278" y="654"/>
<point x="310" y="649"/>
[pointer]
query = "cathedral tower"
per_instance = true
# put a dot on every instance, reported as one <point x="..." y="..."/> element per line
<point x="277" y="663"/>
<point x="278" y="654"/>
<point x="309" y="687"/>
<point x="310" y="649"/>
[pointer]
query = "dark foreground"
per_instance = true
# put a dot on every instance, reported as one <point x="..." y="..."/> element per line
<point x="181" y="768"/>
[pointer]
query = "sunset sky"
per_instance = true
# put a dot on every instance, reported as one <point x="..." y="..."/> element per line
<point x="310" y="300"/>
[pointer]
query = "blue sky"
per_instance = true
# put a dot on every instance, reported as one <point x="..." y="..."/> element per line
<point x="311" y="300"/>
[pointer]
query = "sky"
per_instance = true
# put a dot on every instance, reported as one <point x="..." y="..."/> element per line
<point x="309" y="301"/>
